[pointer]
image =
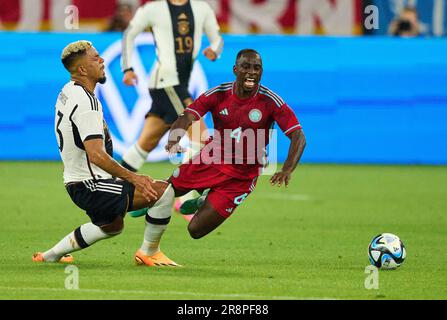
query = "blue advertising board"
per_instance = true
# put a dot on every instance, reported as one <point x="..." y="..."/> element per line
<point x="359" y="99"/>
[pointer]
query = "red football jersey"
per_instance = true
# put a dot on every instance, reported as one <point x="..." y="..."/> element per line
<point x="241" y="128"/>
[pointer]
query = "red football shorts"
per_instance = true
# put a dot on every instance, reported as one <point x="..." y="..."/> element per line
<point x="226" y="192"/>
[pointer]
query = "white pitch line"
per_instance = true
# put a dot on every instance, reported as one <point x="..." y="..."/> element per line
<point x="148" y="293"/>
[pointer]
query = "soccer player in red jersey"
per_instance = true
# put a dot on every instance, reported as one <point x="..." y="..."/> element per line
<point x="243" y="111"/>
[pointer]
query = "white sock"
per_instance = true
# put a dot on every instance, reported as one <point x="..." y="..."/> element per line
<point x="157" y="220"/>
<point x="190" y="195"/>
<point x="135" y="156"/>
<point x="81" y="238"/>
<point x="152" y="238"/>
<point x="191" y="151"/>
<point x="66" y="245"/>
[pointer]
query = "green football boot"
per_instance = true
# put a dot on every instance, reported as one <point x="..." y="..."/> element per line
<point x="138" y="213"/>
<point x="191" y="206"/>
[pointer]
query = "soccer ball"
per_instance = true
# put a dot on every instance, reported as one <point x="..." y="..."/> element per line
<point x="386" y="251"/>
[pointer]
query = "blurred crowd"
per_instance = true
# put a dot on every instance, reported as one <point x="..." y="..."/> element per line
<point x="121" y="19"/>
<point x="405" y="24"/>
<point x="325" y="17"/>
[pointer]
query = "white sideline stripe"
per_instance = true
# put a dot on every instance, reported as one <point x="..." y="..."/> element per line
<point x="284" y="196"/>
<point x="217" y="295"/>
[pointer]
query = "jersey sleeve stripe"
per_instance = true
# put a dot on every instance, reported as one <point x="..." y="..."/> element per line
<point x="93" y="102"/>
<point x="90" y="98"/>
<point x="222" y="87"/>
<point x="218" y="90"/>
<point x="93" y="136"/>
<point x="278" y="103"/>
<point x="124" y="59"/>
<point x="220" y="47"/>
<point x="194" y="112"/>
<point x="93" y="99"/>
<point x="210" y="92"/>
<point x="297" y="126"/>
<point x="272" y="95"/>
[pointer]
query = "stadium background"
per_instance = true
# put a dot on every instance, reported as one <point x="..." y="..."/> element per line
<point x="360" y="99"/>
<point x="363" y="97"/>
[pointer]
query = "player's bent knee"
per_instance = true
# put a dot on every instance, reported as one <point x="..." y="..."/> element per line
<point x="114" y="228"/>
<point x="195" y="232"/>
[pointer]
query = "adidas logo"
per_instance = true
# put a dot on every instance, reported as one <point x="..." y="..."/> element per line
<point x="224" y="112"/>
<point x="229" y="210"/>
<point x="182" y="16"/>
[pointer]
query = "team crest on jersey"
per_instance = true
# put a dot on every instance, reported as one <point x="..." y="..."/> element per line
<point x="255" y="115"/>
<point x="183" y="24"/>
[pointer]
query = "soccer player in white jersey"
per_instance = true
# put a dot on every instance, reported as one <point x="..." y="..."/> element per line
<point x="177" y="27"/>
<point x="94" y="180"/>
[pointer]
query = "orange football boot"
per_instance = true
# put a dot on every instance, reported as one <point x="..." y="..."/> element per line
<point x="156" y="260"/>
<point x="38" y="257"/>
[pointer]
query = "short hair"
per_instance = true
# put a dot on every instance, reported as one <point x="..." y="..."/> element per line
<point x="73" y="51"/>
<point x="244" y="51"/>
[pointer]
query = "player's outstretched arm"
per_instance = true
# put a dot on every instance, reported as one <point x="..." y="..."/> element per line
<point x="142" y="19"/>
<point x="296" y="148"/>
<point x="178" y="130"/>
<point x="212" y="30"/>
<point x="97" y="155"/>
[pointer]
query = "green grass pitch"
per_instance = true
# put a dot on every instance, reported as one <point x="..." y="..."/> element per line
<point x="308" y="241"/>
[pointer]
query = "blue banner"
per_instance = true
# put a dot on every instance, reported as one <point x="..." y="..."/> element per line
<point x="360" y="100"/>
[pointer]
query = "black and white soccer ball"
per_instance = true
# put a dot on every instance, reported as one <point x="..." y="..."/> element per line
<point x="386" y="251"/>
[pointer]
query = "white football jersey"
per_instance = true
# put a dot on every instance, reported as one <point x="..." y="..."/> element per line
<point x="177" y="32"/>
<point x="79" y="118"/>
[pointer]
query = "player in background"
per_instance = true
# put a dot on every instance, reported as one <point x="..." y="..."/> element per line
<point x="238" y="108"/>
<point x="177" y="27"/>
<point x="94" y="180"/>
